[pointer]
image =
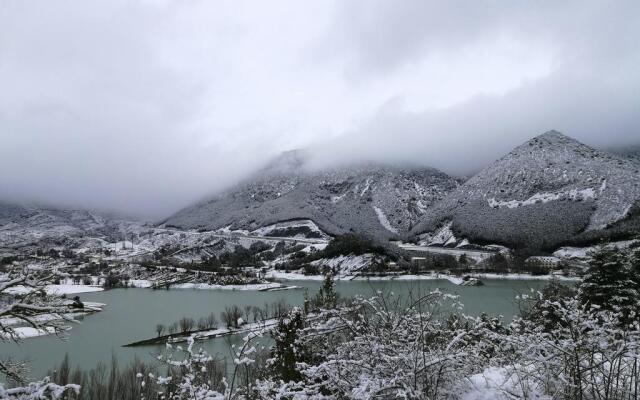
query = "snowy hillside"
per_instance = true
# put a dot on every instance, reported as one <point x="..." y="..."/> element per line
<point x="548" y="191"/>
<point x="373" y="199"/>
<point x="22" y="226"/>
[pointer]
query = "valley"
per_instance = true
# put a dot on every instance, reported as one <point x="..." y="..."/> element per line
<point x="237" y="265"/>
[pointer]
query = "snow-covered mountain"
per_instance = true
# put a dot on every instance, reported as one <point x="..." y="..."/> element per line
<point x="629" y="152"/>
<point x="548" y="191"/>
<point x="379" y="200"/>
<point x="25" y="225"/>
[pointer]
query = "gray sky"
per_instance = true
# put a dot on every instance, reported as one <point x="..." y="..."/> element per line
<point x="145" y="107"/>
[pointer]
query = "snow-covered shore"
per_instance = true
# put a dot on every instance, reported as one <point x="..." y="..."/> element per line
<point x="73" y="289"/>
<point x="526" y="277"/>
<point x="26" y="332"/>
<point x="60" y="289"/>
<point x="210" y="333"/>
<point x="143" y="284"/>
<point x="456" y="280"/>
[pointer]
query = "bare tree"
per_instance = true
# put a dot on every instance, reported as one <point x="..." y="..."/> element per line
<point x="212" y="321"/>
<point x="231" y="315"/>
<point x="24" y="299"/>
<point x="247" y="312"/>
<point x="159" y="329"/>
<point x="186" y="324"/>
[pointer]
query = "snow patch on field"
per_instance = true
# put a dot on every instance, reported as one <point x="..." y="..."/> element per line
<point x="384" y="221"/>
<point x="207" y="286"/>
<point x="573" y="253"/>
<point x="366" y="187"/>
<point x="336" y="199"/>
<point x="294" y="276"/>
<point x="72" y="289"/>
<point x="496" y="383"/>
<point x="59" y="289"/>
<point x="442" y="236"/>
<point x="456" y="280"/>
<point x="266" y="230"/>
<point x="524" y="277"/>
<point x="143" y="284"/>
<point x="573" y="194"/>
<point x="583" y="253"/>
<point x="345" y="265"/>
<point x="26" y="332"/>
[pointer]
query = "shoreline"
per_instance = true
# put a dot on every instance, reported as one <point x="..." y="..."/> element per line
<point x="456" y="280"/>
<point x="259" y="287"/>
<point x="27" y="332"/>
<point x="206" y="333"/>
<point x="66" y="289"/>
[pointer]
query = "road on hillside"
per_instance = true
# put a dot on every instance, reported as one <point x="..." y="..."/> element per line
<point x="270" y="238"/>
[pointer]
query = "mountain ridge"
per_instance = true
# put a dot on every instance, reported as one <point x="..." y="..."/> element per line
<point x="380" y="200"/>
<point x="555" y="187"/>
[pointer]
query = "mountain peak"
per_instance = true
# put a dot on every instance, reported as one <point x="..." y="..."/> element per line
<point x="287" y="162"/>
<point x="553" y="137"/>
<point x="553" y="134"/>
<point x="552" y="141"/>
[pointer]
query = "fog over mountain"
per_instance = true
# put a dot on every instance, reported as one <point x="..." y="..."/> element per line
<point x="147" y="107"/>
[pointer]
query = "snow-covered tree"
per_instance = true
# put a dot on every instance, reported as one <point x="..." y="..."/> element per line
<point x="24" y="301"/>
<point x="610" y="283"/>
<point x="382" y="348"/>
<point x="327" y="296"/>
<point x="288" y="350"/>
<point x="587" y="355"/>
<point x="190" y="368"/>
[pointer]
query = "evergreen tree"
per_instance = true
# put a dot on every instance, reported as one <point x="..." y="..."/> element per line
<point x="634" y="265"/>
<point x="544" y="310"/>
<point x="327" y="296"/>
<point x="609" y="283"/>
<point x="288" y="351"/>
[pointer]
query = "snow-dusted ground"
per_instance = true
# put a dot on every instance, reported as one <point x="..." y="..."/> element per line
<point x="439" y="237"/>
<point x="573" y="194"/>
<point x="494" y="383"/>
<point x="582" y="253"/>
<point x="345" y="265"/>
<point x="266" y="230"/>
<point x="297" y="276"/>
<point x="60" y="289"/>
<point x="26" y="332"/>
<point x="524" y="277"/>
<point x="89" y="307"/>
<point x="383" y="220"/>
<point x="294" y="276"/>
<point x="143" y="283"/>
<point x="476" y="255"/>
<point x="72" y="289"/>
<point x="257" y="286"/>
<point x="251" y="327"/>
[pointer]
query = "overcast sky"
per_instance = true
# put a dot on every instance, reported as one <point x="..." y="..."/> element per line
<point x="145" y="107"/>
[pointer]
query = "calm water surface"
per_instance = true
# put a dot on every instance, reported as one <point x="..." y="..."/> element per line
<point x="132" y="314"/>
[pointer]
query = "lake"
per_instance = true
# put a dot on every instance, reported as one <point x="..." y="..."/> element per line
<point x="132" y="314"/>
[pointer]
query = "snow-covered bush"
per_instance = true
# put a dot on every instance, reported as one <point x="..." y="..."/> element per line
<point x="383" y="347"/>
<point x="193" y="380"/>
<point x="41" y="390"/>
<point x="24" y="301"/>
<point x="588" y="354"/>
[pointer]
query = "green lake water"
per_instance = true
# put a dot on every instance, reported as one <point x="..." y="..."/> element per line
<point x="132" y="314"/>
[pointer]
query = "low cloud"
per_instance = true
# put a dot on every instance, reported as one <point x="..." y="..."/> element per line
<point x="147" y="107"/>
